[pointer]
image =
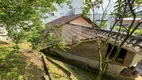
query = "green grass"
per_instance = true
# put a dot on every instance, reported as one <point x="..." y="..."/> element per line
<point x="16" y="66"/>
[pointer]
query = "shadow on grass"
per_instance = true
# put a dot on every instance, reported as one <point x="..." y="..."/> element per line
<point x="16" y="67"/>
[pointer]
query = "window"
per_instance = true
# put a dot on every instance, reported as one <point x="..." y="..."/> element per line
<point x="121" y="55"/>
<point x="52" y="14"/>
<point x="61" y="6"/>
<point x="62" y="13"/>
<point x="70" y="7"/>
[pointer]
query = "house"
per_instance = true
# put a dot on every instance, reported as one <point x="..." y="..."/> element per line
<point x="78" y="31"/>
<point x="70" y="29"/>
<point x="127" y="21"/>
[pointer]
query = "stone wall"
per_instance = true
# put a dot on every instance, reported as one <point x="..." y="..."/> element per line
<point x="129" y="58"/>
<point x="87" y="49"/>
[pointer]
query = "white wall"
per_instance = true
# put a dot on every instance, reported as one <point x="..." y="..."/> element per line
<point x="64" y="10"/>
<point x="137" y="58"/>
<point x="99" y="12"/>
<point x="104" y="5"/>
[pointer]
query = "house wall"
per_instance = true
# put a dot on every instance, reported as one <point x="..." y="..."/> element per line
<point x="70" y="31"/>
<point x="115" y="69"/>
<point x="90" y="58"/>
<point x="80" y="21"/>
<point x="136" y="59"/>
<point x="87" y="53"/>
<point x="129" y="58"/>
<point x="66" y="33"/>
<point x="92" y="63"/>
<point x="128" y="22"/>
<point x="87" y="49"/>
<point x="77" y="11"/>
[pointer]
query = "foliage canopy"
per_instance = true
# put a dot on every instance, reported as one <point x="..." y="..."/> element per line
<point x="22" y="17"/>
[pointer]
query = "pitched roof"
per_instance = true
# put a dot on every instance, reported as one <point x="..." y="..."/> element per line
<point x="133" y="44"/>
<point x="63" y="20"/>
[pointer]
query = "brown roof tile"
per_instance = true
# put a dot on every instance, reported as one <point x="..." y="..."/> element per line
<point x="63" y="20"/>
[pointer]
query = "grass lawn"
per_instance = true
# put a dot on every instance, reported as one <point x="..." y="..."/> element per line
<point x="17" y="66"/>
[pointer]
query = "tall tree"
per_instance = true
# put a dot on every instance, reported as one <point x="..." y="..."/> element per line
<point x="20" y="16"/>
<point x="91" y="5"/>
<point x="123" y="9"/>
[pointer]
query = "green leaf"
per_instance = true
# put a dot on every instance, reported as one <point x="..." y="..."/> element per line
<point x="20" y="77"/>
